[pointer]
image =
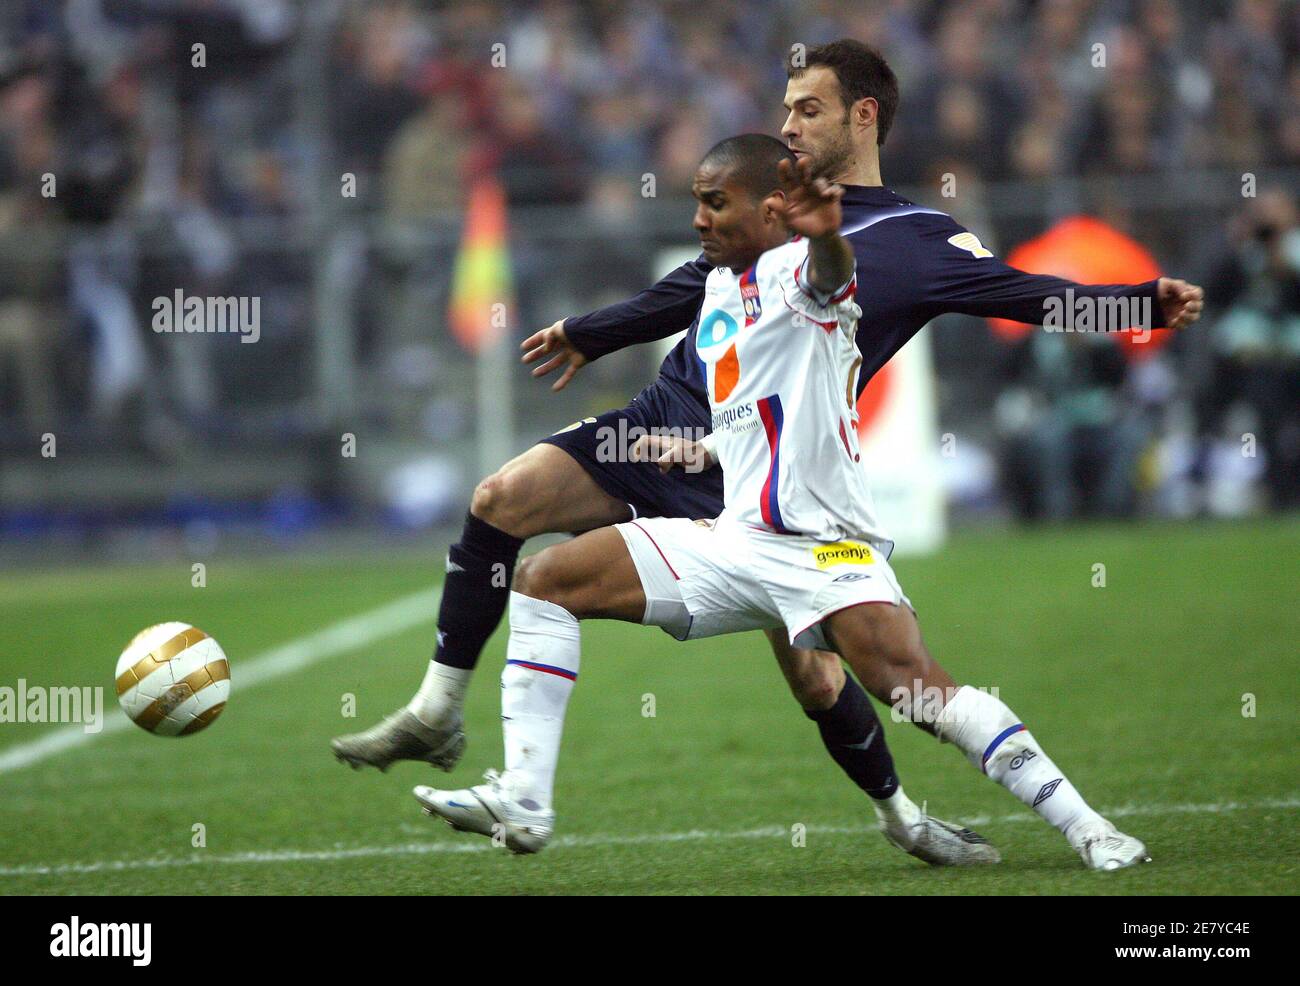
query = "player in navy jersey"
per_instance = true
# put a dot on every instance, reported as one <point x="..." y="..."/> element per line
<point x="913" y="263"/>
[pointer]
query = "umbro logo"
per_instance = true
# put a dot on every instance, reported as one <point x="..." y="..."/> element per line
<point x="866" y="742"/>
<point x="851" y="577"/>
<point x="1047" y="790"/>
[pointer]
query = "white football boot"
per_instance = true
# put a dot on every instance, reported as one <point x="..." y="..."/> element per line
<point x="402" y="736"/>
<point x="1103" y="847"/>
<point x="488" y="810"/>
<point x="937" y="842"/>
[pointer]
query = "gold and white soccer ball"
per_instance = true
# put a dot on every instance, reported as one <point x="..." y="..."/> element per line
<point x="173" y="679"/>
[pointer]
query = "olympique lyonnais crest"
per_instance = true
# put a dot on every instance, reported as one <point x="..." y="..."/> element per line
<point x="749" y="296"/>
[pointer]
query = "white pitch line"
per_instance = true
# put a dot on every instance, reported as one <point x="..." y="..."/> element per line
<point x="357" y="631"/>
<point x="1135" y="811"/>
<point x="572" y="842"/>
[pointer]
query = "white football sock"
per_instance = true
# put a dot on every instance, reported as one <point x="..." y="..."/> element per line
<point x="441" y="696"/>
<point x="541" y="667"/>
<point x="897" y="809"/>
<point x="997" y="742"/>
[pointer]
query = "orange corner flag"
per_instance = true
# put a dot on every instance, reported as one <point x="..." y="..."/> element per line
<point x="481" y="282"/>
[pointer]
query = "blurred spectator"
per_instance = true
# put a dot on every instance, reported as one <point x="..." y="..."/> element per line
<point x="29" y="275"/>
<point x="1071" y="439"/>
<point x="1289" y="128"/>
<point x="374" y="85"/>
<point x="537" y="166"/>
<point x="1255" y="329"/>
<point x="1125" y="134"/>
<point x="427" y="166"/>
<point x="94" y="160"/>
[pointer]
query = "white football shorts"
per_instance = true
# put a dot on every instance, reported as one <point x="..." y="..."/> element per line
<point x="705" y="578"/>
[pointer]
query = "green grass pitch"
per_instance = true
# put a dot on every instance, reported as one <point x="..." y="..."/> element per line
<point x="1136" y="688"/>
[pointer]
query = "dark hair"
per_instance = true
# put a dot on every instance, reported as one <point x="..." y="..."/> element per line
<point x="861" y="71"/>
<point x="751" y="160"/>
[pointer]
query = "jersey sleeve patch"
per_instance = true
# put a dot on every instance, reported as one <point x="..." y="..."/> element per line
<point x="968" y="241"/>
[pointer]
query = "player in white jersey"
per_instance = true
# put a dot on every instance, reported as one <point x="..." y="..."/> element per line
<point x="798" y="538"/>
<point x="797" y="545"/>
<point x="782" y="369"/>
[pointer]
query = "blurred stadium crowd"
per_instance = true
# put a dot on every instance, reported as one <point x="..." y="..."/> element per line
<point x="224" y="179"/>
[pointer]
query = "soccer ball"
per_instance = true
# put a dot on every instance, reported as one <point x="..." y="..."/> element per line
<point x="173" y="679"/>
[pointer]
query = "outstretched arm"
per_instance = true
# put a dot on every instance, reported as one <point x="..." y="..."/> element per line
<point x="661" y="310"/>
<point x="970" y="280"/>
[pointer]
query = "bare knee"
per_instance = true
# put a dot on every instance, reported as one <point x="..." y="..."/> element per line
<point x="820" y="681"/>
<point x="501" y="501"/>
<point x="542" y="576"/>
<point x="816" y="678"/>
<point x="531" y="577"/>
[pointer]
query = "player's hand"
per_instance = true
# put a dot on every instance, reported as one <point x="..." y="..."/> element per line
<point x="668" y="451"/>
<point x="551" y="341"/>
<point x="1180" y="302"/>
<point x="812" y="205"/>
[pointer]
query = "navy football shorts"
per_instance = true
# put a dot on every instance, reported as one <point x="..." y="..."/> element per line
<point x="601" y="445"/>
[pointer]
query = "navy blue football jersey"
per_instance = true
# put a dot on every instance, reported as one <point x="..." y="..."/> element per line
<point x="914" y="263"/>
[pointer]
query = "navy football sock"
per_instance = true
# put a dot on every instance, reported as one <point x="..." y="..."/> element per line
<point x="479" y="570"/>
<point x="855" y="739"/>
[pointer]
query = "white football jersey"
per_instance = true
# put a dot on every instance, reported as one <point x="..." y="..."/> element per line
<point x="782" y="371"/>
